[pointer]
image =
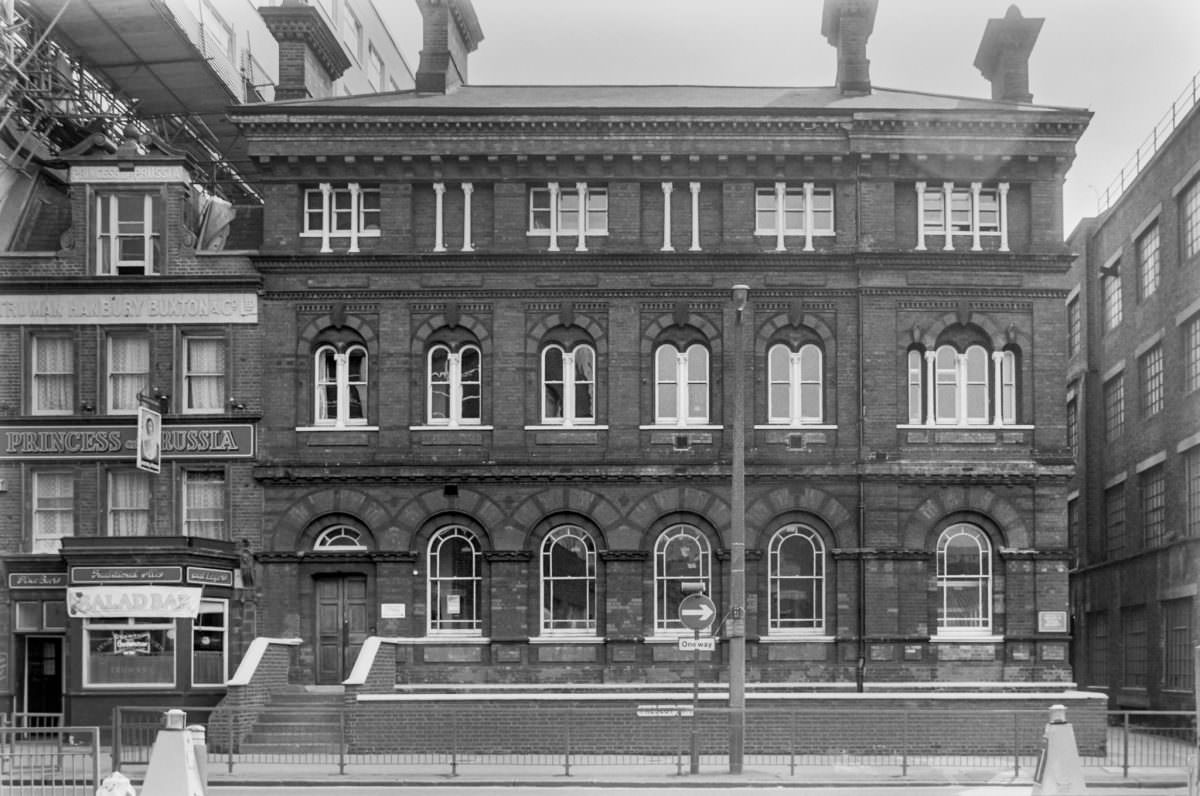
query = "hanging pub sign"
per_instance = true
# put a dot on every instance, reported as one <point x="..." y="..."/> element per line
<point x="149" y="439"/>
<point x="92" y="602"/>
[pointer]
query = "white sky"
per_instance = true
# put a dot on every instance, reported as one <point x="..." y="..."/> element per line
<point x="1125" y="60"/>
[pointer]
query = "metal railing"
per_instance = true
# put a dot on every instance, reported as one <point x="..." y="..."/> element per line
<point x="1148" y="739"/>
<point x="1145" y="151"/>
<point x="64" y="761"/>
<point x="134" y="730"/>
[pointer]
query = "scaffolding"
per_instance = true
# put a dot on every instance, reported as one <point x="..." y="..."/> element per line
<point x="52" y="101"/>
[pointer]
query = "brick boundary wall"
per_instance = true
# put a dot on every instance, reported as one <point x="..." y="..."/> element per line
<point x="821" y="724"/>
<point x="263" y="671"/>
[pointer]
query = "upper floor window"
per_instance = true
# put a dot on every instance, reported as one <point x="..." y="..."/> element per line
<point x="681" y="385"/>
<point x="579" y="210"/>
<point x="1110" y="298"/>
<point x="345" y="210"/>
<point x="1191" y="491"/>
<point x="53" y="510"/>
<point x="796" y="571"/>
<point x="1113" y="393"/>
<point x="795" y="391"/>
<point x="568" y="582"/>
<point x="681" y="556"/>
<point x="204" y="503"/>
<point x="1191" y="354"/>
<point x="1074" y="327"/>
<point x="53" y="360"/>
<point x="341" y="385"/>
<point x="1154" y="505"/>
<point x="1150" y="373"/>
<point x="1073" y="427"/>
<point x="1190" y="213"/>
<point x="962" y="387"/>
<point x="973" y="212"/>
<point x="128" y="503"/>
<point x="127" y="233"/>
<point x="800" y="210"/>
<point x="203" y="373"/>
<point x="964" y="575"/>
<point x="568" y="385"/>
<point x="1114" y="520"/>
<point x="217" y="29"/>
<point x="1148" y="262"/>
<point x="128" y="372"/>
<point x="453" y="582"/>
<point x="455" y="385"/>
<point x="352" y="33"/>
<point x="375" y="72"/>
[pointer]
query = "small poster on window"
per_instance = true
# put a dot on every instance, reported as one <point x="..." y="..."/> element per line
<point x="453" y="604"/>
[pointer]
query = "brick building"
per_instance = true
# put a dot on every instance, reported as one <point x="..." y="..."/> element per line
<point x="125" y="277"/>
<point x="1133" y="415"/>
<point x="500" y="348"/>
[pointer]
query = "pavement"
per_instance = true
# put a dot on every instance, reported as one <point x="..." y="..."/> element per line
<point x="713" y="774"/>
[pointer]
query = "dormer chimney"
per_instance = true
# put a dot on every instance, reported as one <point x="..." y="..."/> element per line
<point x="847" y="24"/>
<point x="1003" y="55"/>
<point x="450" y="32"/>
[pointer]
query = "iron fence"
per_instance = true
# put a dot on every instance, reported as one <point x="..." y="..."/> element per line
<point x="61" y="760"/>
<point x="381" y="736"/>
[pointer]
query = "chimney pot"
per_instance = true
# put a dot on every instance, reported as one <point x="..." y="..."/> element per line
<point x="1003" y="56"/>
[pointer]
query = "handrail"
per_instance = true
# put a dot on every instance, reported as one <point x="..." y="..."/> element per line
<point x="254" y="655"/>
<point x="1180" y="108"/>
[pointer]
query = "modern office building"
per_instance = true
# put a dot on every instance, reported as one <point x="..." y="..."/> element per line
<point x="1133" y="422"/>
<point x="507" y="365"/>
<point x="125" y="222"/>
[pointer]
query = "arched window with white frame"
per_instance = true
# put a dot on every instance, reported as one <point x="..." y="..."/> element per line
<point x="568" y="582"/>
<point x="339" y="539"/>
<point x="681" y="385"/>
<point x="796" y="575"/>
<point x="964" y="579"/>
<point x="340" y="385"/>
<point x="681" y="556"/>
<point x="453" y="582"/>
<point x="795" y="394"/>
<point x="959" y="384"/>
<point x="455" y="385"/>
<point x="568" y="385"/>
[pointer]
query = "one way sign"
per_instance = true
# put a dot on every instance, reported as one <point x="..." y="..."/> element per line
<point x="696" y="611"/>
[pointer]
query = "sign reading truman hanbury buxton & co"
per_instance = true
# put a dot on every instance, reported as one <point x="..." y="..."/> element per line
<point x="139" y="308"/>
<point x="136" y="601"/>
<point x="234" y="441"/>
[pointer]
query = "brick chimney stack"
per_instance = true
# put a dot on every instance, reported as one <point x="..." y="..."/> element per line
<point x="1003" y="55"/>
<point x="450" y="32"/>
<point x="847" y="24"/>
<point x="310" y="55"/>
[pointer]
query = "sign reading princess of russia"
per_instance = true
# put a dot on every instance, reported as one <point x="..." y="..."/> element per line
<point x="89" y="442"/>
<point x="136" y="601"/>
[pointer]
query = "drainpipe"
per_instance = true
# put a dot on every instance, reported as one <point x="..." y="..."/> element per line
<point x="860" y="669"/>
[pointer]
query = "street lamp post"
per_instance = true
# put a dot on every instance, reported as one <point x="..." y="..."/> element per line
<point x="737" y="544"/>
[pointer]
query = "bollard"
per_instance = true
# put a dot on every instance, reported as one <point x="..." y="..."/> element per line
<point x="173" y="769"/>
<point x="1059" y="769"/>
<point x="200" y="749"/>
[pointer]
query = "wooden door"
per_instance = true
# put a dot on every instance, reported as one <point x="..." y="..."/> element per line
<point x="43" y="674"/>
<point x="341" y="625"/>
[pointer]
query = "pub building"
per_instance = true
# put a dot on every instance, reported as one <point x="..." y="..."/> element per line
<point x="125" y="586"/>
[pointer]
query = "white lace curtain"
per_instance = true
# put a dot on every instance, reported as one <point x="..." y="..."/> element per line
<point x="54" y="374"/>
<point x="53" y="515"/>
<point x="205" y="504"/>
<point x="129" y="371"/>
<point x="129" y="503"/>
<point x="205" y="374"/>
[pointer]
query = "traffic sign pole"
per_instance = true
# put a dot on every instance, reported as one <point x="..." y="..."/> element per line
<point x="695" y="698"/>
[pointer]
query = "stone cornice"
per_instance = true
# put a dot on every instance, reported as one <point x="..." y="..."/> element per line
<point x="507" y="556"/>
<point x="131" y="284"/>
<point x="304" y="23"/>
<point x="624" y="555"/>
<point x="330" y="557"/>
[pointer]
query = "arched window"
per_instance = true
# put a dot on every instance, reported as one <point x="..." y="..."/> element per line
<point x="455" y="385"/>
<point x="681" y="555"/>
<point x="341" y="385"/>
<point x="797" y="581"/>
<point x="568" y="582"/>
<point x="795" y="391"/>
<point x="454" y="581"/>
<point x="964" y="575"/>
<point x="962" y="385"/>
<point x="681" y="385"/>
<point x="568" y="385"/>
<point x="339" y="538"/>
